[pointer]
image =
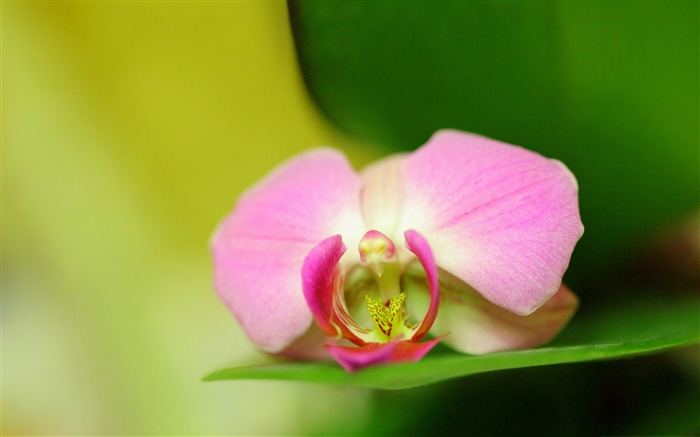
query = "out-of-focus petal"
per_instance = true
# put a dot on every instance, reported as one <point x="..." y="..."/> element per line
<point x="477" y="326"/>
<point x="417" y="244"/>
<point x="307" y="347"/>
<point x="355" y="358"/>
<point x="501" y="218"/>
<point x="259" y="249"/>
<point x="382" y="194"/>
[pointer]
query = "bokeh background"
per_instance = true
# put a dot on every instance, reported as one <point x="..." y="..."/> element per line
<point x="130" y="128"/>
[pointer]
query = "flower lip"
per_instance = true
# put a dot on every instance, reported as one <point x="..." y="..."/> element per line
<point x="322" y="280"/>
<point x="355" y="358"/>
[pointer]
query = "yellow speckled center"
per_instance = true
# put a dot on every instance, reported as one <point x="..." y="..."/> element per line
<point x="388" y="318"/>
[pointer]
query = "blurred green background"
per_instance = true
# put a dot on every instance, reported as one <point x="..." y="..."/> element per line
<point x="130" y="128"/>
<point x="608" y="87"/>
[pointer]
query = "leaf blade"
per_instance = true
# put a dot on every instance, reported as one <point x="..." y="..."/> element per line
<point x="668" y="324"/>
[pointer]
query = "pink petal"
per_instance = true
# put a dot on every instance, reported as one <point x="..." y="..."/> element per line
<point x="501" y="218"/>
<point x="477" y="326"/>
<point x="417" y="244"/>
<point x="412" y="352"/>
<point x="356" y="358"/>
<point x="259" y="249"/>
<point x="382" y="194"/>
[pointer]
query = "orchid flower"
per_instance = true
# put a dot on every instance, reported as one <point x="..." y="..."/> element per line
<point x="487" y="230"/>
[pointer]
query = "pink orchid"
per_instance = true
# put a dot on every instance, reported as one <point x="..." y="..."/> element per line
<point x="488" y="232"/>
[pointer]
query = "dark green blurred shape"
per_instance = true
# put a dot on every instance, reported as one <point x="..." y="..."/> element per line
<point x="610" y="88"/>
<point x="618" y="398"/>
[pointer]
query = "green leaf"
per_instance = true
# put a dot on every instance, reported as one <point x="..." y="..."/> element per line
<point x="646" y="325"/>
<point x="610" y="88"/>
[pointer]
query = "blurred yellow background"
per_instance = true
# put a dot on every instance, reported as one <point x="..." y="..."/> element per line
<point x="129" y="130"/>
